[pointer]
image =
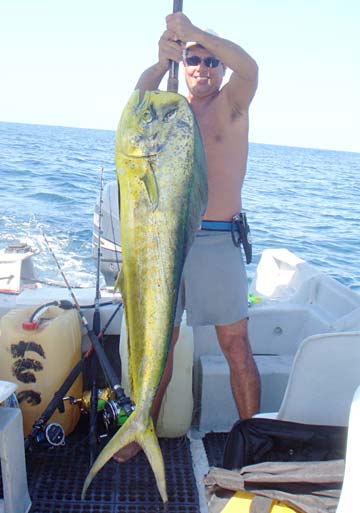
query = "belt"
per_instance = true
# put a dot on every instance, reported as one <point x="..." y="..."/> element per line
<point x="221" y="226"/>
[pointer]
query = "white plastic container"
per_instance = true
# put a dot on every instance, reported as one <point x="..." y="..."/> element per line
<point x="177" y="407"/>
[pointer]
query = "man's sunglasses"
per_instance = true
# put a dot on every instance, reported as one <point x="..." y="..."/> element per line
<point x="195" y="60"/>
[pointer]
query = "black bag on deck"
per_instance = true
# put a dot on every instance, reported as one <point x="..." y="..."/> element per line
<point x="259" y="440"/>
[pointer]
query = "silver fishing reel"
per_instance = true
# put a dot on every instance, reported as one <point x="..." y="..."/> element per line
<point x="116" y="413"/>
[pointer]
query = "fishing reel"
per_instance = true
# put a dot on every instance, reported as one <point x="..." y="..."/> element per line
<point x="51" y="435"/>
<point x="103" y="396"/>
<point x="116" y="413"/>
<point x="113" y="411"/>
<point x="45" y="435"/>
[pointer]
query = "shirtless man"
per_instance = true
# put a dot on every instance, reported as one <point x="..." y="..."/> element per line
<point x="223" y="118"/>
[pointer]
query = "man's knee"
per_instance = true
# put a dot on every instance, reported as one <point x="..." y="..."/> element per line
<point x="234" y="340"/>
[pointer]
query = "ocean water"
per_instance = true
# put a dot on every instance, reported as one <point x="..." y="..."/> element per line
<point x="305" y="200"/>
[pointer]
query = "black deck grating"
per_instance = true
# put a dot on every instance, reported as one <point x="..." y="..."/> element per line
<point x="214" y="444"/>
<point x="68" y="507"/>
<point x="56" y="477"/>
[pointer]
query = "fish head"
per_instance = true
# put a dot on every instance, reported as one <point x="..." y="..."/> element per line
<point x="155" y="142"/>
<point x="148" y="124"/>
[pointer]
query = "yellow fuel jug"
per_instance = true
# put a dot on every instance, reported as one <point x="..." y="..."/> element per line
<point x="38" y="356"/>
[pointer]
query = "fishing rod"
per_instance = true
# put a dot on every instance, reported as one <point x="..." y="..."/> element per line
<point x="173" y="80"/>
<point x="96" y="318"/>
<point x="41" y="424"/>
<point x="121" y="398"/>
<point x="96" y="328"/>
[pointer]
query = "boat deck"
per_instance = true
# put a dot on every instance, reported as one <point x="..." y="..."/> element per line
<point x="56" y="476"/>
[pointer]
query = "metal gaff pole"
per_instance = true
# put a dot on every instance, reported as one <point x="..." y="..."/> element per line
<point x="173" y="80"/>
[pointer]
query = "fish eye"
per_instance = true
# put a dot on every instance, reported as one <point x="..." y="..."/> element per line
<point x="170" y="114"/>
<point x="147" y="116"/>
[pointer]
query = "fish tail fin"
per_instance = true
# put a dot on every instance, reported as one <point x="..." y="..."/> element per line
<point x="134" y="430"/>
<point x="150" y="444"/>
<point x="124" y="436"/>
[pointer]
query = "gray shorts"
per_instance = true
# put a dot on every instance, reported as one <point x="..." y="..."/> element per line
<point x="214" y="287"/>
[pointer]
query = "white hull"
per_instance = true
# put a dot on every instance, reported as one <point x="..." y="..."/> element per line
<point x="293" y="301"/>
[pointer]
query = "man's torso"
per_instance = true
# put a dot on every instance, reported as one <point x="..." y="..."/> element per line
<point x="225" y="138"/>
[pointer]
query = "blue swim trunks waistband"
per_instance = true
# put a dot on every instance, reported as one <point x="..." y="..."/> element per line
<point x="221" y="226"/>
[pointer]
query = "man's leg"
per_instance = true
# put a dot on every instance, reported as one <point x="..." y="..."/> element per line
<point x="133" y="448"/>
<point x="244" y="375"/>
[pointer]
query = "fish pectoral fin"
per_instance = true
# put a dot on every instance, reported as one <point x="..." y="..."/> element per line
<point x="151" y="186"/>
<point x="119" y="283"/>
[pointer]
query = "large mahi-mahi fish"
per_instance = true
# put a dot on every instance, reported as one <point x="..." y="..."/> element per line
<point x="162" y="180"/>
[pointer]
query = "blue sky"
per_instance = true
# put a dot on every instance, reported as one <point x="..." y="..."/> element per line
<point x="75" y="62"/>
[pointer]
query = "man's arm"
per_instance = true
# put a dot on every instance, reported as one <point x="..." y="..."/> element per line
<point x="169" y="49"/>
<point x="150" y="79"/>
<point x="243" y="81"/>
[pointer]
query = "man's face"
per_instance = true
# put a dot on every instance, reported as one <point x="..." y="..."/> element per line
<point x="203" y="72"/>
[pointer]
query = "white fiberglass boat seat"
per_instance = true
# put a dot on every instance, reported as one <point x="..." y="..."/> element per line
<point x="322" y="380"/>
<point x="12" y="456"/>
<point x="350" y="491"/>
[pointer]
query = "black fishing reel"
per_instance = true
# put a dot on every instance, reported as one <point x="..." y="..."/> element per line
<point x="50" y="435"/>
<point x="115" y="413"/>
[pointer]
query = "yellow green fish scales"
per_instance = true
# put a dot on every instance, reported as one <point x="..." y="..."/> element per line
<point x="162" y="181"/>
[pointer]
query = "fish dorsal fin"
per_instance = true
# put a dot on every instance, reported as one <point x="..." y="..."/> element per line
<point x="151" y="185"/>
